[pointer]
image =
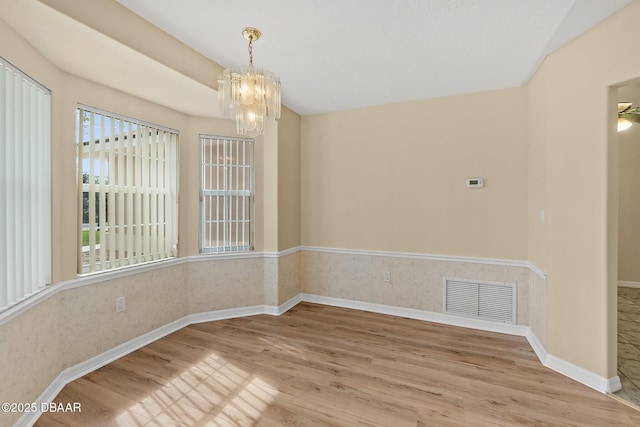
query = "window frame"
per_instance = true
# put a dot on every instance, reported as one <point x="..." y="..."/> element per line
<point x="143" y="196"/>
<point x="224" y="194"/>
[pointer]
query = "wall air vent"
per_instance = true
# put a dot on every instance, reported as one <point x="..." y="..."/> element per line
<point x="482" y="300"/>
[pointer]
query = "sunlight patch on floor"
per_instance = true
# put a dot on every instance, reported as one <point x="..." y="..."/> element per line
<point x="212" y="392"/>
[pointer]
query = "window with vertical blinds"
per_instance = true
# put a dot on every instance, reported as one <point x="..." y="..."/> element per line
<point x="226" y="204"/>
<point x="127" y="191"/>
<point x="25" y="193"/>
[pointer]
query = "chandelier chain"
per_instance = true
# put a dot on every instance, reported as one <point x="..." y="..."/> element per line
<point x="251" y="51"/>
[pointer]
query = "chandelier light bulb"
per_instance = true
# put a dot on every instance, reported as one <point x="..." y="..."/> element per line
<point x="623" y="124"/>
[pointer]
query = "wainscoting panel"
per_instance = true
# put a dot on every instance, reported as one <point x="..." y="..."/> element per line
<point x="414" y="282"/>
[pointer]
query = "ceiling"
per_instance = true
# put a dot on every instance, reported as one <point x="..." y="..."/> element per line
<point x="331" y="55"/>
<point x="335" y="55"/>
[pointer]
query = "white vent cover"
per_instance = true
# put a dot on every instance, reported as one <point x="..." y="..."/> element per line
<point x="483" y="300"/>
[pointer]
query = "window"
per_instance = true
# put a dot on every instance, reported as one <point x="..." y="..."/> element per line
<point x="25" y="193"/>
<point x="127" y="191"/>
<point x="227" y="194"/>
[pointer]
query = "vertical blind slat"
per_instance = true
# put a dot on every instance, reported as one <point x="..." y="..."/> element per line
<point x="153" y="182"/>
<point x="44" y="181"/>
<point x="11" y="196"/>
<point x="111" y="196"/>
<point x="173" y="185"/>
<point x="137" y="206"/>
<point x="120" y="181"/>
<point x="19" y="188"/>
<point x="161" y="196"/>
<point x="92" y="194"/>
<point x="4" y="181"/>
<point x="136" y="185"/>
<point x="31" y="283"/>
<point x="146" y="217"/>
<point x="25" y="191"/>
<point x="102" y="209"/>
<point x="24" y="186"/>
<point x="130" y="187"/>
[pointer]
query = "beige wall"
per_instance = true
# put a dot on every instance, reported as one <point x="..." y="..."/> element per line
<point x="289" y="180"/>
<point x="537" y="171"/>
<point x="573" y="165"/>
<point x="393" y="178"/>
<point x="629" y="182"/>
<point x="267" y="190"/>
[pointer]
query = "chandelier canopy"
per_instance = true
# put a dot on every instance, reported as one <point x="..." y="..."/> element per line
<point x="249" y="95"/>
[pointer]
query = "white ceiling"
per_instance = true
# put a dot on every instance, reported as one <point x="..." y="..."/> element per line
<point x="335" y="55"/>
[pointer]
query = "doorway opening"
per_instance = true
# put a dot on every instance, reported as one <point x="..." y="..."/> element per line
<point x="628" y="308"/>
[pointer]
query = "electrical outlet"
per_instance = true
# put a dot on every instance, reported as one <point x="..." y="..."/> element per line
<point x="121" y="304"/>
<point x="387" y="276"/>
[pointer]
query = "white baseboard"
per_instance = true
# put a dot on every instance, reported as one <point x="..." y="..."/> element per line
<point x="537" y="346"/>
<point x="229" y="313"/>
<point x="284" y="307"/>
<point x="411" y="313"/>
<point x="586" y="377"/>
<point x="561" y="366"/>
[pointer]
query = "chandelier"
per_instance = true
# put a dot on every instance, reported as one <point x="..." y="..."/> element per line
<point x="250" y="96"/>
<point x="627" y="115"/>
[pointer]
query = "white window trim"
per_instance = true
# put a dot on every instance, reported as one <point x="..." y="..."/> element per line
<point x="223" y="193"/>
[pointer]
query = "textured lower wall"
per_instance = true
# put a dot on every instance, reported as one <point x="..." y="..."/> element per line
<point x="281" y="278"/>
<point x="289" y="280"/>
<point x="270" y="281"/>
<point x="415" y="282"/>
<point x="31" y="353"/>
<point x="92" y="325"/>
<point x="538" y="306"/>
<point x="224" y="283"/>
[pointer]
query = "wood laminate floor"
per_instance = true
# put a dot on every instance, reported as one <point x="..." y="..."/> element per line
<point x="320" y="365"/>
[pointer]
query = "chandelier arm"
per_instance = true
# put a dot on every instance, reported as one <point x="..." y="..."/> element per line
<point x="632" y="117"/>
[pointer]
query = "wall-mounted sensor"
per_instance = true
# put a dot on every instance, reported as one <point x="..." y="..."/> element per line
<point x="475" y="183"/>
